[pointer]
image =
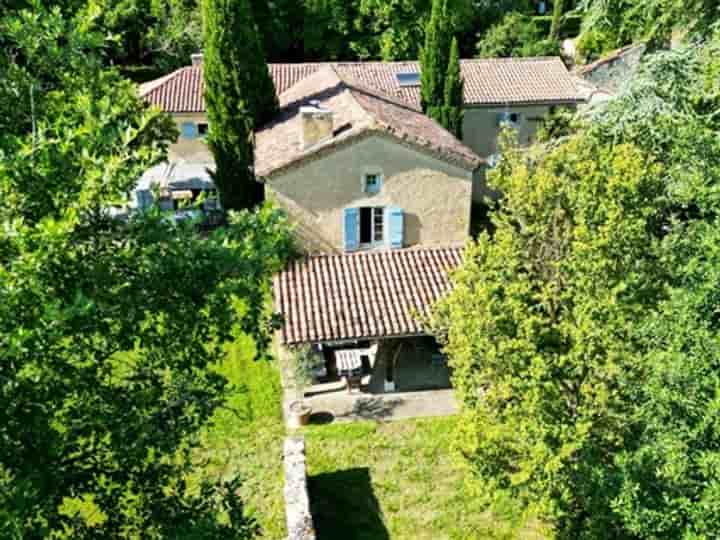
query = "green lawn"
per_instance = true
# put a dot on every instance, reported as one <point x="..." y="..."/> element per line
<point x="367" y="480"/>
<point x="247" y="437"/>
<point x="398" y="481"/>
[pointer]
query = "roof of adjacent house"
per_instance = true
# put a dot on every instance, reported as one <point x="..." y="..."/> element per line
<point x="357" y="112"/>
<point x="611" y="57"/>
<point x="490" y="81"/>
<point x="374" y="294"/>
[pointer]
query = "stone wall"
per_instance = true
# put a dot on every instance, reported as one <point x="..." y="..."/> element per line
<point x="297" y="501"/>
<point x="481" y="127"/>
<point x="190" y="150"/>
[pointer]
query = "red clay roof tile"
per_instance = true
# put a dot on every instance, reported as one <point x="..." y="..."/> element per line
<point x="368" y="295"/>
<point x="489" y="81"/>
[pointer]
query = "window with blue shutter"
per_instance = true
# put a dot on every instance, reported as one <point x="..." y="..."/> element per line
<point x="372" y="183"/>
<point x="189" y="130"/>
<point x="395" y="226"/>
<point x="351" y="228"/>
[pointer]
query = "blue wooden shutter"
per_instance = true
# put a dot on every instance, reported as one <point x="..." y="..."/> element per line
<point x="351" y="228"/>
<point x="189" y="130"/>
<point x="395" y="224"/>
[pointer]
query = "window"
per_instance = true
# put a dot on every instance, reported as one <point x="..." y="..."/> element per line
<point x="408" y="79"/>
<point x="372" y="225"/>
<point x="189" y="130"/>
<point x="510" y="119"/>
<point x="367" y="227"/>
<point x="372" y="182"/>
<point x="202" y="129"/>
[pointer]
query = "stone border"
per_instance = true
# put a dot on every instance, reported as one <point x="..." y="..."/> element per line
<point x="297" y="501"/>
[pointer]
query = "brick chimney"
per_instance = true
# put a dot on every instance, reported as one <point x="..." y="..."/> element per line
<point x="317" y="124"/>
<point x="196" y="59"/>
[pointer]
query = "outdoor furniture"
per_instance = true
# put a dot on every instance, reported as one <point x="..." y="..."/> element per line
<point x="349" y="366"/>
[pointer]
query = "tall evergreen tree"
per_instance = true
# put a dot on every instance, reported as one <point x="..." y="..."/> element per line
<point x="453" y="102"/>
<point x="240" y="96"/>
<point x="434" y="60"/>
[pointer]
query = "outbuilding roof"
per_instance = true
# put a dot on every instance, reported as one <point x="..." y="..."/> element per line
<point x="375" y="294"/>
<point x="357" y="112"/>
<point x="489" y="81"/>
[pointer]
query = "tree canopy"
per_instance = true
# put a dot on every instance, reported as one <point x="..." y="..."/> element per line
<point x="582" y="331"/>
<point x="240" y="97"/>
<point x="109" y="329"/>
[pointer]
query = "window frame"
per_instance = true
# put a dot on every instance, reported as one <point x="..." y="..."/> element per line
<point x="380" y="180"/>
<point x="377" y="217"/>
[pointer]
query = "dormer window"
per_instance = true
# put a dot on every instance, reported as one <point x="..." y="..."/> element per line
<point x="372" y="182"/>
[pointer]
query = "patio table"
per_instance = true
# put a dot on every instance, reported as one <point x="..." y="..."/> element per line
<point x="349" y="365"/>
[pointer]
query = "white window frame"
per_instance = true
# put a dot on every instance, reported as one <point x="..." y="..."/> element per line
<point x="377" y="215"/>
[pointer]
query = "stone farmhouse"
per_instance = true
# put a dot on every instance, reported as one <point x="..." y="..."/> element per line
<point x="380" y="194"/>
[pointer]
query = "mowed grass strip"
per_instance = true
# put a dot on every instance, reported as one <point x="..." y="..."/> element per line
<point x="399" y="481"/>
<point x="246" y="437"/>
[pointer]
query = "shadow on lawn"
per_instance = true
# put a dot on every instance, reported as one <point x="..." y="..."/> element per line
<point x="344" y="505"/>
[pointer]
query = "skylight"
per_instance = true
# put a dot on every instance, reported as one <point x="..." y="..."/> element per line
<point x="408" y="79"/>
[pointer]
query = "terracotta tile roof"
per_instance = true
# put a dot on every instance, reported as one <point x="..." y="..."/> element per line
<point x="357" y="112"/>
<point x="361" y="295"/>
<point x="490" y="81"/>
<point x="611" y="57"/>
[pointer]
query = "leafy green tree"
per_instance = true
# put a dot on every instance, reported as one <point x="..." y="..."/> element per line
<point x="109" y="330"/>
<point x="398" y="28"/>
<point x="280" y="25"/>
<point x="516" y="35"/>
<point x="453" y="105"/>
<point x="583" y="332"/>
<point x="330" y="31"/>
<point x="240" y="96"/>
<point x="434" y="59"/>
<point x="175" y="34"/>
<point x="610" y="24"/>
<point x="537" y="329"/>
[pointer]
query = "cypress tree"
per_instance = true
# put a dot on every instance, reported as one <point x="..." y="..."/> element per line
<point x="239" y="95"/>
<point x="434" y="60"/>
<point x="453" y="102"/>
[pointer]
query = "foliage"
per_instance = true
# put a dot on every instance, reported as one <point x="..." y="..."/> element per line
<point x="240" y="97"/>
<point x="330" y="31"/>
<point x="380" y="480"/>
<point x="175" y="35"/>
<point x="452" y="117"/>
<point x="558" y="7"/>
<point x="516" y="35"/>
<point x="583" y="332"/>
<point x="245" y="436"/>
<point x="304" y="361"/>
<point x="434" y="60"/>
<point x="537" y="328"/>
<point x="399" y="27"/>
<point x="280" y="26"/>
<point x="107" y="329"/>
<point x="610" y="24"/>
